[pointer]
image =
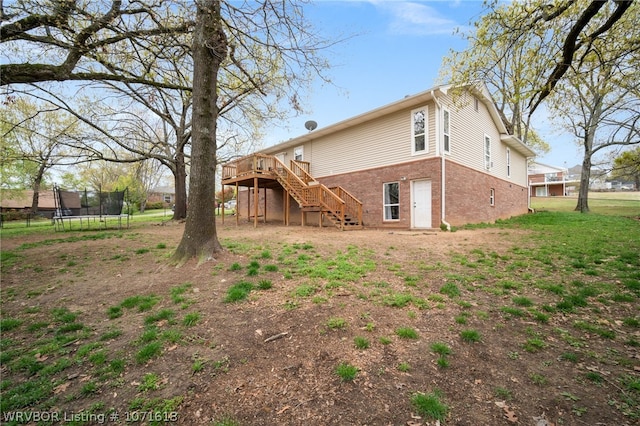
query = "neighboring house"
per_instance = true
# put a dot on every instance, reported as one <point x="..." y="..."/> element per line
<point x="598" y="180"/>
<point x="425" y="161"/>
<point x="548" y="181"/>
<point x="20" y="201"/>
<point x="162" y="194"/>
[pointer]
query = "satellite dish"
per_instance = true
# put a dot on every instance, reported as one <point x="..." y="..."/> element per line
<point x="310" y="125"/>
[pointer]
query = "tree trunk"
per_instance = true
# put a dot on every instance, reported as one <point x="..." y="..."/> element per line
<point x="35" y="201"/>
<point x="37" y="182"/>
<point x="209" y="50"/>
<point x="180" y="184"/>
<point x="583" y="193"/>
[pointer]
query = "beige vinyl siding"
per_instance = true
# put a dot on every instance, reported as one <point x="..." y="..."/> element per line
<point x="376" y="143"/>
<point x="468" y="128"/>
<point x="518" y="167"/>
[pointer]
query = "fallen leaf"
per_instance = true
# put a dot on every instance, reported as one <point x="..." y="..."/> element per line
<point x="61" y="388"/>
<point x="285" y="408"/>
<point x="510" y="415"/>
<point x="41" y="358"/>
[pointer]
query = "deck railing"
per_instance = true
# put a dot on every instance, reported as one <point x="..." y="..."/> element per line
<point x="307" y="191"/>
<point x="289" y="180"/>
<point x="353" y="206"/>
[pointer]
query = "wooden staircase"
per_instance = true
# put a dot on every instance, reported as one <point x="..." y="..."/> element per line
<point x="336" y="204"/>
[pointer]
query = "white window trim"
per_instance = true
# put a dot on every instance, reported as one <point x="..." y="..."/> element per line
<point x="446" y="134"/>
<point x="385" y="205"/>
<point x="487" y="152"/>
<point x="296" y="149"/>
<point x="508" y="162"/>
<point x="492" y="197"/>
<point x="426" y="131"/>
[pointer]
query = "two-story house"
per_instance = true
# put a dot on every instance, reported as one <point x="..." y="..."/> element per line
<point x="433" y="159"/>
<point x="547" y="181"/>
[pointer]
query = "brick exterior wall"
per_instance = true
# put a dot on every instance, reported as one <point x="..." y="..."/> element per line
<point x="467" y="196"/>
<point x="367" y="186"/>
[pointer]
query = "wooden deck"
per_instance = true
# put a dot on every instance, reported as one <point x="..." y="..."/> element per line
<point x="266" y="171"/>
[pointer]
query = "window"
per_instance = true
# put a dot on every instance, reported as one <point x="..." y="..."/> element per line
<point x="492" y="197"/>
<point x="508" y="162"/>
<point x="487" y="152"/>
<point x="445" y="129"/>
<point x="475" y="103"/>
<point x="391" y="201"/>
<point x="419" y="130"/>
<point x="297" y="153"/>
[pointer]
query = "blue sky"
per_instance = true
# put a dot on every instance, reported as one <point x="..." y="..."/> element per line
<point x="396" y="50"/>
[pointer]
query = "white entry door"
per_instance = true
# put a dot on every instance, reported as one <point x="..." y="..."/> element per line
<point x="421" y="204"/>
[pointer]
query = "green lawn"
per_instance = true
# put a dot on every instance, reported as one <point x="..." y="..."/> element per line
<point x="609" y="203"/>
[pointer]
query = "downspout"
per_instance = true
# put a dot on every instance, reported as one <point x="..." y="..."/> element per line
<point x="440" y="148"/>
<point x="529" y="209"/>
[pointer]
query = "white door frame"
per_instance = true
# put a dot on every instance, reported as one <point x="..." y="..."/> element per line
<point x="421" y="209"/>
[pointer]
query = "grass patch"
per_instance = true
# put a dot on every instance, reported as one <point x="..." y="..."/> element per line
<point x="430" y="405"/>
<point x="163" y="315"/>
<point x="149" y="351"/>
<point x="406" y="333"/>
<point x="8" y="324"/>
<point x="404" y="367"/>
<point x="361" y="342"/>
<point x="265" y="284"/>
<point x="440" y="348"/>
<point x="191" y="319"/>
<point x="336" y="323"/>
<point x="522" y="301"/>
<point x="346" y="372"/>
<point x="238" y="292"/>
<point x="450" y="289"/>
<point x="470" y="335"/>
<point x="178" y="293"/>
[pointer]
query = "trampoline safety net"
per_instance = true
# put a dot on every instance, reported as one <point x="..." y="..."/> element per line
<point x="89" y="204"/>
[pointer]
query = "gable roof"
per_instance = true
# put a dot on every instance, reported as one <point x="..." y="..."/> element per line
<point x="24" y="199"/>
<point x="408" y="102"/>
<point x="539" y="168"/>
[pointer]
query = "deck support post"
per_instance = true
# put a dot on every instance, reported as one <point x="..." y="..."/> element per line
<point x="255" y="202"/>
<point x="222" y="199"/>
<point x="265" y="206"/>
<point x="285" y="207"/>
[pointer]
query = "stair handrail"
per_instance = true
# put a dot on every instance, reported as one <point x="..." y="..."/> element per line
<point x="352" y="204"/>
<point x="290" y="177"/>
<point x="299" y="170"/>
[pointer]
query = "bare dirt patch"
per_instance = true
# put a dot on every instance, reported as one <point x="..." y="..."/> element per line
<point x="272" y="358"/>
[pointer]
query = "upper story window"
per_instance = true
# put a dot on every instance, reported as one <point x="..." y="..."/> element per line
<point x="298" y="153"/>
<point x="419" y="130"/>
<point x="475" y="104"/>
<point x="391" y="201"/>
<point x="445" y="130"/>
<point x="487" y="152"/>
<point x="508" y="162"/>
